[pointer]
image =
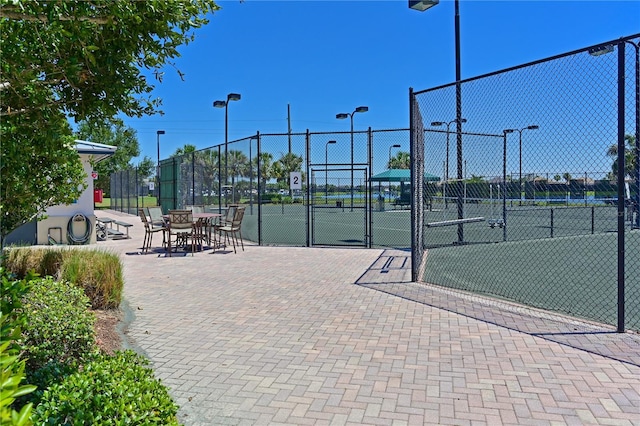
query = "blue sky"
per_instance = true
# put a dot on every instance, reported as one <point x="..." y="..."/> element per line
<point x="327" y="57"/>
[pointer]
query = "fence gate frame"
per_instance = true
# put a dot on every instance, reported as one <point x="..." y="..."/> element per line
<point x="311" y="205"/>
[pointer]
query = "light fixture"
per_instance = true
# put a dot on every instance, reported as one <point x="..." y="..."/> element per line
<point x="601" y="50"/>
<point x="422" y="5"/>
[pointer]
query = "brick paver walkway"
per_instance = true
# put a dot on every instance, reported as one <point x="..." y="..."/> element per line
<point x="281" y="335"/>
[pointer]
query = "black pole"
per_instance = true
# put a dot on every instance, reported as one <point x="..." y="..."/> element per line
<point x="219" y="180"/>
<point x="260" y="189"/>
<point x="250" y="179"/>
<point x="193" y="178"/>
<point x="620" y="177"/>
<point x="369" y="186"/>
<point x="226" y="150"/>
<point x="459" y="119"/>
<point x="416" y="243"/>
<point x="520" y="172"/>
<point x="504" y="187"/>
<point x="308" y="218"/>
<point x="637" y="120"/>
<point x="352" y="160"/>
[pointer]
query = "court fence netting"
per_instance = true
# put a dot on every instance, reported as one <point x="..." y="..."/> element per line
<point x="539" y="200"/>
<point x="503" y="185"/>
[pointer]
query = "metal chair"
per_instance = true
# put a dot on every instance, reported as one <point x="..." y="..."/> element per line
<point x="149" y="230"/>
<point x="181" y="225"/>
<point x="233" y="230"/>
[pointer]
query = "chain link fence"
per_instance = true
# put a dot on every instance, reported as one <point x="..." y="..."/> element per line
<point x="129" y="190"/>
<point x="534" y="205"/>
<point x="346" y="196"/>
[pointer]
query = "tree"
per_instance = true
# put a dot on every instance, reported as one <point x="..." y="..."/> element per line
<point x="265" y="173"/>
<point x="186" y="149"/>
<point x="82" y="60"/>
<point x="629" y="157"/>
<point x="238" y="167"/>
<point x="115" y="134"/>
<point x="37" y="172"/>
<point x="146" y="168"/>
<point x="287" y="163"/>
<point x="402" y="160"/>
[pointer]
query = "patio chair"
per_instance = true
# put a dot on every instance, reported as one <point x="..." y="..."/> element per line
<point x="149" y="230"/>
<point x="233" y="230"/>
<point x="195" y="208"/>
<point x="181" y="226"/>
<point x="225" y="220"/>
<point x="155" y="214"/>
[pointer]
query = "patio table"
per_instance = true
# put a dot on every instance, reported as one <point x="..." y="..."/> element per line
<point x="202" y="222"/>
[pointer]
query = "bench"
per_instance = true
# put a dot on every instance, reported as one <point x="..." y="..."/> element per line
<point x="104" y="228"/>
<point x="401" y="202"/>
<point x="454" y="222"/>
<point x="125" y="225"/>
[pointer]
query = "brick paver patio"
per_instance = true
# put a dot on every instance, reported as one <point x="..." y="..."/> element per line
<point x="285" y="335"/>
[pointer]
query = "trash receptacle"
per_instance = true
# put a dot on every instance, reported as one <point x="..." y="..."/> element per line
<point x="339" y="203"/>
<point x="97" y="195"/>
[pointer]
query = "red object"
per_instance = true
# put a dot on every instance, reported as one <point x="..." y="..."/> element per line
<point x="97" y="195"/>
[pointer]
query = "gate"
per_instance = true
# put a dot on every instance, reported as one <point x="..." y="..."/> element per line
<point x="339" y="213"/>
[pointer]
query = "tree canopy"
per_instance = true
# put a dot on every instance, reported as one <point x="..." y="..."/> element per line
<point x="629" y="158"/>
<point x="125" y="138"/>
<point x="76" y="60"/>
<point x="402" y="160"/>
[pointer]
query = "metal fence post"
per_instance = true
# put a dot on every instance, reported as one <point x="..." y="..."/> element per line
<point x="620" y="178"/>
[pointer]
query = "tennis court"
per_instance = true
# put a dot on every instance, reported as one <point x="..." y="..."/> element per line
<point x="576" y="275"/>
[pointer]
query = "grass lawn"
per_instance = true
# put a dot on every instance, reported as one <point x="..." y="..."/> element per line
<point x="142" y="201"/>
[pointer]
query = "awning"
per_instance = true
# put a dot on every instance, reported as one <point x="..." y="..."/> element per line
<point x="400" y="175"/>
<point x="99" y="151"/>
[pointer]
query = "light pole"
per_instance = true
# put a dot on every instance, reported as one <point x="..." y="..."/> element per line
<point x="531" y="127"/>
<point x="225" y="105"/>
<point x="603" y="50"/>
<point x="326" y="171"/>
<point x="423" y="5"/>
<point x="397" y="145"/>
<point x="446" y="163"/>
<point x="342" y="116"/>
<point x="158" y="133"/>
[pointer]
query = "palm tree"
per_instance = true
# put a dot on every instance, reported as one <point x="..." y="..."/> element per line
<point x="265" y="172"/>
<point x="288" y="163"/>
<point x="402" y="160"/>
<point x="629" y="157"/>
<point x="238" y="167"/>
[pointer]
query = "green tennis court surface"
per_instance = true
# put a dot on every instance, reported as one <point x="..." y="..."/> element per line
<point x="576" y="275"/>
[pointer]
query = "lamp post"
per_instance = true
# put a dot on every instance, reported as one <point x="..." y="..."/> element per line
<point x="603" y="50"/>
<point x="397" y="145"/>
<point x="531" y="127"/>
<point x="423" y="5"/>
<point x="158" y="133"/>
<point x="326" y="171"/>
<point x="342" y="116"/>
<point x="225" y="105"/>
<point x="446" y="163"/>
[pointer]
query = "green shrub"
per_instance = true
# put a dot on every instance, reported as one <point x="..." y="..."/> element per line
<point x="12" y="318"/>
<point x="42" y="261"/>
<point x="98" y="272"/>
<point x="60" y="326"/>
<point x="117" y="389"/>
